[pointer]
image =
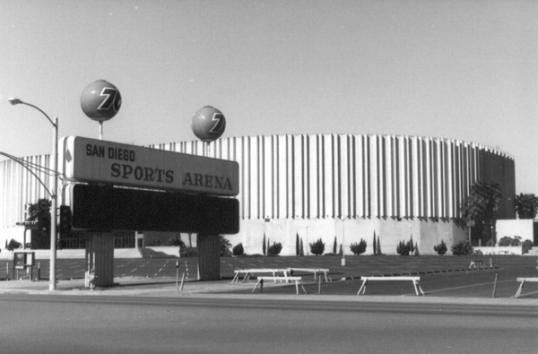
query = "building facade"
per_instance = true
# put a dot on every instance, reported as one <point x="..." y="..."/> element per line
<point x="337" y="187"/>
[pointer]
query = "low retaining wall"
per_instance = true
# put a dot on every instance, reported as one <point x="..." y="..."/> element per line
<point x="500" y="250"/>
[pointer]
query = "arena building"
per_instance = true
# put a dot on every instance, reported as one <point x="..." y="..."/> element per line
<point x="337" y="187"/>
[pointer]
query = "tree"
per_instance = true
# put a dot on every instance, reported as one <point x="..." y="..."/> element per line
<point x="40" y="212"/>
<point x="335" y="245"/>
<point x="526" y="206"/>
<point x="38" y="221"/>
<point x="481" y="207"/>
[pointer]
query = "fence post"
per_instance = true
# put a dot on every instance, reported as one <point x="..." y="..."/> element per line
<point x="494" y="285"/>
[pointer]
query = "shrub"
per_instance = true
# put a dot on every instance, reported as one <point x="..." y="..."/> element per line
<point x="189" y="252"/>
<point x="154" y="242"/>
<point x="225" y="246"/>
<point x="526" y="246"/>
<point x="411" y="245"/>
<point x="505" y="241"/>
<point x="358" y="248"/>
<point x="403" y="248"/>
<point x="317" y="247"/>
<point x="510" y="241"/>
<point x="462" y="248"/>
<point x="516" y="241"/>
<point x="477" y="253"/>
<point x="440" y="248"/>
<point x="175" y="241"/>
<point x="274" y="249"/>
<point x="238" y="250"/>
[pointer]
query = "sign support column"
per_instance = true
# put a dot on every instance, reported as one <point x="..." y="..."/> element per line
<point x="208" y="256"/>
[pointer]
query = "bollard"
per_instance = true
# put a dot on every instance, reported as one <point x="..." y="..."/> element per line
<point x="491" y="262"/>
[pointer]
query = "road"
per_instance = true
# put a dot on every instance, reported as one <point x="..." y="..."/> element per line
<point x="100" y="324"/>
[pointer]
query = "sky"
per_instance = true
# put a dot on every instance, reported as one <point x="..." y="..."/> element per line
<point x="455" y="69"/>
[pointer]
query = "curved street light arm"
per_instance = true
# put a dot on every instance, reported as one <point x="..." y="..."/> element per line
<point x="40" y="110"/>
<point x="29" y="170"/>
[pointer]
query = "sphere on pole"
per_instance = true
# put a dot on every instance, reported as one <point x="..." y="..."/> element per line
<point x="100" y="100"/>
<point x="208" y="124"/>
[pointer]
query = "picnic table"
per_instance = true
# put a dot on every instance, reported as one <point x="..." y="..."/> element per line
<point x="247" y="273"/>
<point x="315" y="271"/>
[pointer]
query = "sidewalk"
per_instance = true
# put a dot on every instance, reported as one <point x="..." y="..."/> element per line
<point x="166" y="288"/>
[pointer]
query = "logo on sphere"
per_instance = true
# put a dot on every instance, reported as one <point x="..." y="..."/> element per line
<point x="100" y="100"/>
<point x="208" y="123"/>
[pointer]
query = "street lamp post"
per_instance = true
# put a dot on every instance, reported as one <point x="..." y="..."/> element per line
<point x="343" y="259"/>
<point x="54" y="192"/>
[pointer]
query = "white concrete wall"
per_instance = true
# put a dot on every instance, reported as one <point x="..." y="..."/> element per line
<point x="426" y="234"/>
<point x="515" y="227"/>
<point x="15" y="232"/>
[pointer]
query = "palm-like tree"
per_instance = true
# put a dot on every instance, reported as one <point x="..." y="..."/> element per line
<point x="481" y="206"/>
<point x="526" y="206"/>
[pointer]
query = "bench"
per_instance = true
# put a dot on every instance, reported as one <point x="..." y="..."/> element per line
<point x="522" y="281"/>
<point x="248" y="272"/>
<point x="297" y="280"/>
<point x="415" y="280"/>
<point x="315" y="271"/>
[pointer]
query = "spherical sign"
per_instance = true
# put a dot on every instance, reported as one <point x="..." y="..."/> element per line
<point x="208" y="123"/>
<point x="100" y="100"/>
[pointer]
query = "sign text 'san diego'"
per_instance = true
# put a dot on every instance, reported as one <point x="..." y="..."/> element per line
<point x="92" y="160"/>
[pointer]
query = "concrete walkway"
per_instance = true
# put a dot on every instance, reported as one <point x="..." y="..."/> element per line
<point x="166" y="288"/>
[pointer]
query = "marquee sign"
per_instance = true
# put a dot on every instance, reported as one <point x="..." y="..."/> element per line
<point x="92" y="160"/>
